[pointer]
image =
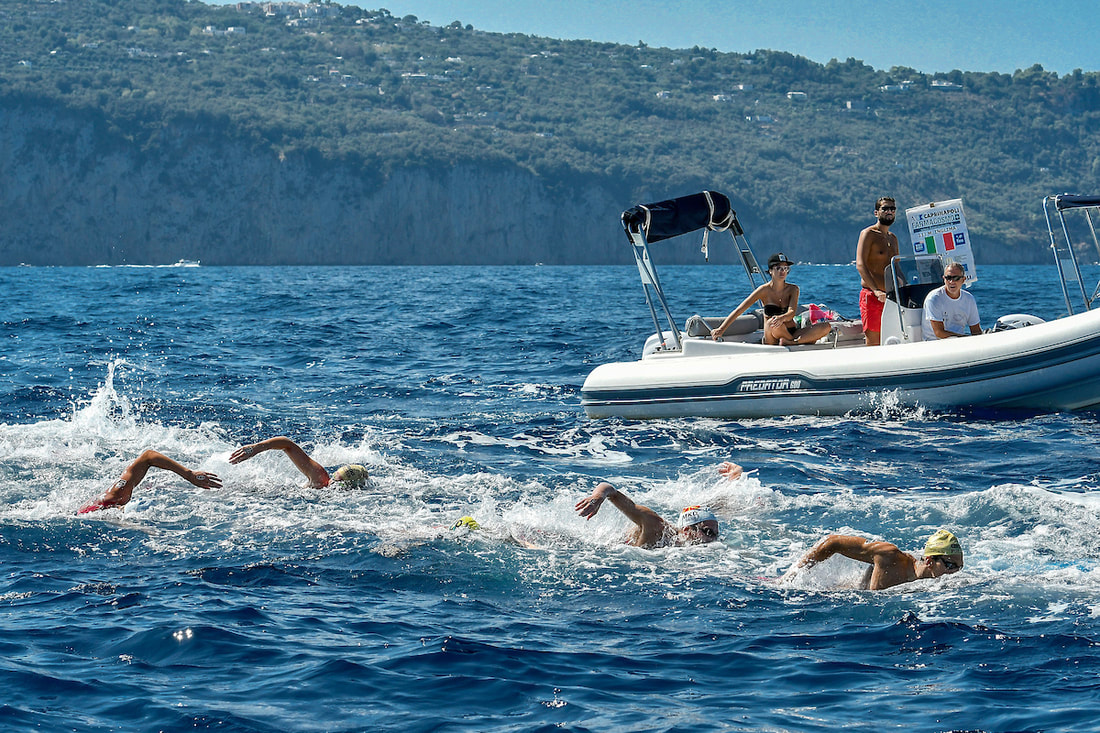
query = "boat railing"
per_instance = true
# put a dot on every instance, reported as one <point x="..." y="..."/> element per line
<point x="1065" y="251"/>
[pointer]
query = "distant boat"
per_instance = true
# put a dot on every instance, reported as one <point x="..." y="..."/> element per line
<point x="185" y="263"/>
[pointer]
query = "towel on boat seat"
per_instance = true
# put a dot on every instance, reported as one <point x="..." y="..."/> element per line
<point x="815" y="313"/>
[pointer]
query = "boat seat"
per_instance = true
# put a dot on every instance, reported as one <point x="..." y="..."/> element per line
<point x="745" y="323"/>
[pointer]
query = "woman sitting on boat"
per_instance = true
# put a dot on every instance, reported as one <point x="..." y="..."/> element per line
<point x="780" y="301"/>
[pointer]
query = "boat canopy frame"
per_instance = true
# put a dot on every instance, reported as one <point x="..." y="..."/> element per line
<point x="645" y="224"/>
<point x="1065" y="255"/>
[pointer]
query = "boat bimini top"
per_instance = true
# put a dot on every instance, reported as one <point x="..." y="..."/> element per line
<point x="708" y="211"/>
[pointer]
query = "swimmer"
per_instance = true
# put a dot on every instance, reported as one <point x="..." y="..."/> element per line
<point x="890" y="566"/>
<point x="468" y="527"/>
<point x="696" y="525"/>
<point x="465" y="524"/>
<point x="123" y="489"/>
<point x="352" y="475"/>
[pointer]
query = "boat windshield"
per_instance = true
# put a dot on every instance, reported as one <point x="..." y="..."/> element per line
<point x="910" y="279"/>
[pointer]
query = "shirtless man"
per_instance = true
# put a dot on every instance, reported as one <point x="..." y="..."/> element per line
<point x="123" y="489"/>
<point x="876" y="247"/>
<point x="696" y="525"/>
<point x="352" y="475"/>
<point x="890" y="566"/>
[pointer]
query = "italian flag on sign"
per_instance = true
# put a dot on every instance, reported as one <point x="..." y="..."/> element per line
<point x="948" y="243"/>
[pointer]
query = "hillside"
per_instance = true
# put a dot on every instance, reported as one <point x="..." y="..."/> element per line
<point x="154" y="130"/>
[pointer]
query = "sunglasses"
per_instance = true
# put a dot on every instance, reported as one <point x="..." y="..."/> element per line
<point x="949" y="564"/>
<point x="954" y="278"/>
<point x="889" y="208"/>
<point x="782" y="268"/>
<point x="705" y="531"/>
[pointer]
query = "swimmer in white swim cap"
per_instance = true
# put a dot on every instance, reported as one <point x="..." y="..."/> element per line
<point x="696" y="525"/>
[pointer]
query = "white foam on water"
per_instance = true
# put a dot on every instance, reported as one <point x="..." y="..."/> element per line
<point x="1032" y="539"/>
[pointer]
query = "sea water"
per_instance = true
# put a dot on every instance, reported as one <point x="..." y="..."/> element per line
<point x="266" y="606"/>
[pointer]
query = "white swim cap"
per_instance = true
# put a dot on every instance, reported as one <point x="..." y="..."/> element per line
<point x="694" y="515"/>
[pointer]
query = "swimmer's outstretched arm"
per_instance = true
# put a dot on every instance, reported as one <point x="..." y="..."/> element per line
<point x="856" y="548"/>
<point x="123" y="489"/>
<point x="647" y="519"/>
<point x="311" y="469"/>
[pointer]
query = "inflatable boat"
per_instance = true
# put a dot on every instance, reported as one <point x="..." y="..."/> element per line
<point x="1023" y="362"/>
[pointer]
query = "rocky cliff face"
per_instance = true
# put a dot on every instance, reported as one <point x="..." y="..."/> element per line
<point x="75" y="191"/>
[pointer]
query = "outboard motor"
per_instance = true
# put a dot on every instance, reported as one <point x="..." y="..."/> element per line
<point x="1014" y="321"/>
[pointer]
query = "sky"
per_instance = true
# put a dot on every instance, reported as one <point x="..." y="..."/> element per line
<point x="927" y="35"/>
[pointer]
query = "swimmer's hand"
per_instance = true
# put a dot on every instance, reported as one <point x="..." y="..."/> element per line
<point x="730" y="470"/>
<point x="243" y="454"/>
<point x="204" y="480"/>
<point x="589" y="505"/>
<point x="95" y="506"/>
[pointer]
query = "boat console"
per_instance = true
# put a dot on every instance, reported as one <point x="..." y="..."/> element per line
<point x="909" y="280"/>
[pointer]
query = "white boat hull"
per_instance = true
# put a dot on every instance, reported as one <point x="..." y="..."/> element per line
<point x="1049" y="366"/>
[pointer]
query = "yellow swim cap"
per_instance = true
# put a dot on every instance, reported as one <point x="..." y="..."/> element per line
<point x="352" y="474"/>
<point x="468" y="523"/>
<point x="942" y="543"/>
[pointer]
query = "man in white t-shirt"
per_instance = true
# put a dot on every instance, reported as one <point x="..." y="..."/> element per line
<point x="950" y="311"/>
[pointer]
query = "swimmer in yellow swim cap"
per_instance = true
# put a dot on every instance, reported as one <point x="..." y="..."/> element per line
<point x="352" y="475"/>
<point x="890" y="566"/>
<point x="466" y="523"/>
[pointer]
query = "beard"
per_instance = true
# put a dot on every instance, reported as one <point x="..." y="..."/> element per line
<point x="886" y="217"/>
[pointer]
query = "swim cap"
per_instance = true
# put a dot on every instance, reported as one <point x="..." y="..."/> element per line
<point x="942" y="543"/>
<point x="695" y="514"/>
<point x="352" y="474"/>
<point x="468" y="523"/>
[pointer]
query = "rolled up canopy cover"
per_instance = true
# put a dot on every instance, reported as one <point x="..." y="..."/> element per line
<point x="1073" y="201"/>
<point x="664" y="219"/>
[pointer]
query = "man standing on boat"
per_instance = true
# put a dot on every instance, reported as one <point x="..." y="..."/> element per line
<point x="876" y="247"/>
<point x="950" y="311"/>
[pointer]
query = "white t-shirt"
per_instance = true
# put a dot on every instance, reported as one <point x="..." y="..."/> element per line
<point x="957" y="314"/>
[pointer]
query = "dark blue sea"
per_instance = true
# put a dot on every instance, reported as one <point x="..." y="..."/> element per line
<point x="265" y="606"/>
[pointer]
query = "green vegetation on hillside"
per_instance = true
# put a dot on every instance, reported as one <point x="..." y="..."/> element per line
<point x="786" y="137"/>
